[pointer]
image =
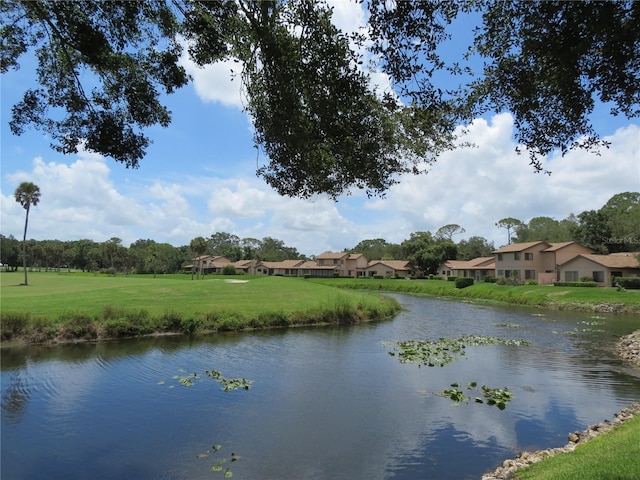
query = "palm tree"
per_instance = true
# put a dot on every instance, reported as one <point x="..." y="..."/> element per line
<point x="26" y="194"/>
<point x="198" y="246"/>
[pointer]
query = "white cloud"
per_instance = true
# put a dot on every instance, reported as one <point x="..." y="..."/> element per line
<point x="478" y="186"/>
<point x="473" y="188"/>
<point x="216" y="82"/>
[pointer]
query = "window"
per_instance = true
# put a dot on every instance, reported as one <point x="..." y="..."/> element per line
<point x="501" y="273"/>
<point x="598" y="276"/>
<point x="571" y="276"/>
<point x="528" y="256"/>
<point x="529" y="274"/>
<point x="516" y="256"/>
<point x="499" y="257"/>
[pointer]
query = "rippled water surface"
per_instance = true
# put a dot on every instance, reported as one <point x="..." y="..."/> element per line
<point x="324" y="403"/>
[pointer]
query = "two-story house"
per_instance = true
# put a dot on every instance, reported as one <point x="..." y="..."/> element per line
<point x="346" y="264"/>
<point x="535" y="260"/>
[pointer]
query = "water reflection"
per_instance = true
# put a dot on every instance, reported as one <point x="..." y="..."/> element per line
<point x="325" y="402"/>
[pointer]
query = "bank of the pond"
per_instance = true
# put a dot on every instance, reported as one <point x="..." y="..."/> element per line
<point x="71" y="308"/>
<point x="582" y="299"/>
<point x="510" y="468"/>
<point x="628" y="348"/>
<point x="120" y="323"/>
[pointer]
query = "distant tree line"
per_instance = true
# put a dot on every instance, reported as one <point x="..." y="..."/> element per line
<point x="613" y="228"/>
<point x="142" y="256"/>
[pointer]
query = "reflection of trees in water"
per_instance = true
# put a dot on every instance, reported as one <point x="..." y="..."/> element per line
<point x="15" y="399"/>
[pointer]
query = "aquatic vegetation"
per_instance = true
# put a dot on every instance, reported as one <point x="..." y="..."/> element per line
<point x="493" y="396"/>
<point x="438" y="353"/>
<point x="218" y="466"/>
<point x="228" y="384"/>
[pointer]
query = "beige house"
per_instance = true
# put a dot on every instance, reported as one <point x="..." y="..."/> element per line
<point x="388" y="268"/>
<point x="601" y="268"/>
<point x="287" y="268"/>
<point x="535" y="260"/>
<point x="208" y="264"/>
<point x="478" y="268"/>
<point x="346" y="264"/>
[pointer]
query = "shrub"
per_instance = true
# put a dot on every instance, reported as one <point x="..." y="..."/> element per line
<point x="531" y="281"/>
<point x="451" y="279"/>
<point x="586" y="278"/>
<point x="13" y="323"/>
<point x="464" y="282"/>
<point x="77" y="325"/>
<point x="378" y="277"/>
<point x="575" y="284"/>
<point x="632" y="283"/>
<point x="490" y="279"/>
<point x="229" y="270"/>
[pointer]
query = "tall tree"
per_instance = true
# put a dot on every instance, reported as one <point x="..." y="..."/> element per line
<point x="543" y="228"/>
<point x="9" y="252"/>
<point x="102" y="68"/>
<point x="524" y="57"/>
<point x="378" y="249"/>
<point x="622" y="212"/>
<point x="474" y="247"/>
<point x="508" y="223"/>
<point x="27" y="194"/>
<point x="198" y="246"/>
<point x="448" y="231"/>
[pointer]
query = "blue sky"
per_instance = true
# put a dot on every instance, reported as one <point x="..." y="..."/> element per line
<point x="198" y="178"/>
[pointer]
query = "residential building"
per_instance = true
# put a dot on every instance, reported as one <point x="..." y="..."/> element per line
<point x="208" y="264"/>
<point x="477" y="268"/>
<point x="600" y="268"/>
<point x="346" y="264"/>
<point x="388" y="268"/>
<point x="535" y="260"/>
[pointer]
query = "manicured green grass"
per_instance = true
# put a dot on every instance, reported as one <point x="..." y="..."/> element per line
<point x="97" y="306"/>
<point x="615" y="456"/>
<point x="534" y="295"/>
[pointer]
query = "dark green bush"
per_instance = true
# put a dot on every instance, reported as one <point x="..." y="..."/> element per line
<point x="228" y="270"/>
<point x="464" y="282"/>
<point x="632" y="283"/>
<point x="575" y="284"/>
<point x="77" y="325"/>
<point x="531" y="281"/>
<point x="490" y="279"/>
<point x="13" y="323"/>
<point x="451" y="279"/>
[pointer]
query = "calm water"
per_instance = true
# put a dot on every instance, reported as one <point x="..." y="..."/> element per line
<point x="326" y="403"/>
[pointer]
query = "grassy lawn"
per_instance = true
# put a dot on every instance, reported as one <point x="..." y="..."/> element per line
<point x="53" y="294"/>
<point x="75" y="305"/>
<point x="615" y="456"/>
<point x="534" y="295"/>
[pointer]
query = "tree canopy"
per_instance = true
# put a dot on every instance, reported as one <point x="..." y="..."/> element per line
<point x="103" y="67"/>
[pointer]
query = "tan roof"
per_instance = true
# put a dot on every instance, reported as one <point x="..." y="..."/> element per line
<point x="331" y="255"/>
<point x="480" y="263"/>
<point x="615" y="260"/>
<point x="518" y="247"/>
<point x="283" y="264"/>
<point x="309" y="264"/>
<point x="394" y="264"/>
<point x="558" y="246"/>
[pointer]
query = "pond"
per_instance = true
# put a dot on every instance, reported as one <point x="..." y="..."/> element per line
<point x="325" y="402"/>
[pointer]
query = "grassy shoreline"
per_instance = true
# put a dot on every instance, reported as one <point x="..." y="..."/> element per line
<point x="61" y="307"/>
<point x="600" y="300"/>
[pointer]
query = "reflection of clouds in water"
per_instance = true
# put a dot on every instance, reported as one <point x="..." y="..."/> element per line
<point x="67" y="386"/>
